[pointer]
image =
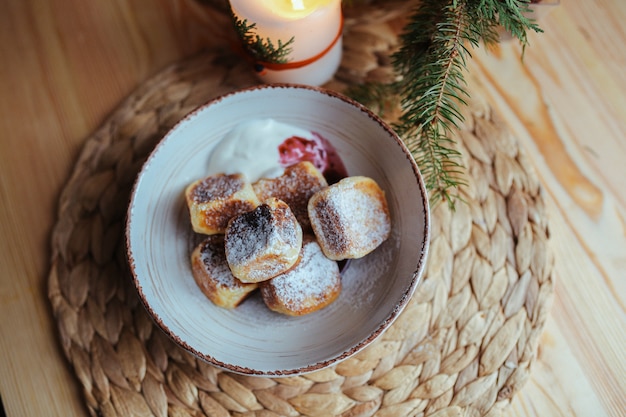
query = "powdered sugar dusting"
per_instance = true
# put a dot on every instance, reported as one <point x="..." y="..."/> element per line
<point x="213" y="258"/>
<point x="264" y="242"/>
<point x="350" y="218"/>
<point x="361" y="287"/>
<point x="295" y="187"/>
<point x="314" y="278"/>
<point x="216" y="187"/>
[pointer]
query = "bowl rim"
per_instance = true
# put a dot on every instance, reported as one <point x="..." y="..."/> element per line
<point x="380" y="328"/>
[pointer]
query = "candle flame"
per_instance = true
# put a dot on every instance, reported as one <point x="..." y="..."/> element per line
<point x="297" y="4"/>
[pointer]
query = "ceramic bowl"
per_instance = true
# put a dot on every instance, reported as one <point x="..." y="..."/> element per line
<point x="251" y="339"/>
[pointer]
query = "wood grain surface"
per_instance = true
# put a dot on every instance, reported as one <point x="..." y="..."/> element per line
<point x="66" y="64"/>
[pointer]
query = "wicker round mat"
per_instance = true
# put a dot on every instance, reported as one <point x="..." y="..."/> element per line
<point x="464" y="345"/>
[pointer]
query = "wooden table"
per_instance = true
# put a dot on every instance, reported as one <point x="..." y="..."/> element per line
<point x="65" y="64"/>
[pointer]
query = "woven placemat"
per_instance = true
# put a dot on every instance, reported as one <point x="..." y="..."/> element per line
<point x="464" y="345"/>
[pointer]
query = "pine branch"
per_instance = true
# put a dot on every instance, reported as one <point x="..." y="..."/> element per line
<point x="431" y="95"/>
<point x="431" y="63"/>
<point x="261" y="49"/>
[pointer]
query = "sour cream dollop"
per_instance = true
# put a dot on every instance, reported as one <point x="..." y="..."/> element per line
<point x="251" y="148"/>
<point x="264" y="148"/>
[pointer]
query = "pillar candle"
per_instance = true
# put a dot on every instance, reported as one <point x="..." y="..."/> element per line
<point x="315" y="26"/>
